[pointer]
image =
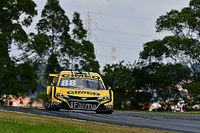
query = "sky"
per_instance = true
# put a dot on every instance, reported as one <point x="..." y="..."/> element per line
<point x="118" y="28"/>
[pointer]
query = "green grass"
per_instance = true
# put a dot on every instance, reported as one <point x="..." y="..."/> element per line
<point x="12" y="122"/>
<point x="10" y="126"/>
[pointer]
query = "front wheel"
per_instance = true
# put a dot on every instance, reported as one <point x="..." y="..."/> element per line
<point x="49" y="106"/>
<point x="55" y="108"/>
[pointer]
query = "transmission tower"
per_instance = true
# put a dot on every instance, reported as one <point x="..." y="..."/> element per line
<point x="88" y="24"/>
<point x="113" y="55"/>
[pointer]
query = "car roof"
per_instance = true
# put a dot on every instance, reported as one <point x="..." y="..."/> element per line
<point x="80" y="72"/>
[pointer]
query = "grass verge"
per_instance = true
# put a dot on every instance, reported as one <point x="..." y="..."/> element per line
<point x="14" y="122"/>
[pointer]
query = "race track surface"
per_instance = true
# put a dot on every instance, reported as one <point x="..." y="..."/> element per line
<point x="174" y="122"/>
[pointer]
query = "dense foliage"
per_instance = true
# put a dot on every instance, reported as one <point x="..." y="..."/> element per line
<point x="182" y="47"/>
<point x="62" y="44"/>
<point x="12" y="77"/>
<point x="164" y="64"/>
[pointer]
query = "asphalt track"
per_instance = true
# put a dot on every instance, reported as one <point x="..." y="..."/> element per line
<point x="189" y="123"/>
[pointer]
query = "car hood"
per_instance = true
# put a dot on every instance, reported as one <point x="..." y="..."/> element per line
<point x="82" y="92"/>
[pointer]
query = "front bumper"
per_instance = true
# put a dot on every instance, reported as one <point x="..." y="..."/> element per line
<point x="99" y="107"/>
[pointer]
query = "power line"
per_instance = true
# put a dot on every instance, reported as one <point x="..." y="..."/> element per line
<point x="122" y="32"/>
<point x="118" y="44"/>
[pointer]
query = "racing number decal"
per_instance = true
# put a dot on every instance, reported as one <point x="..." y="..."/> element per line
<point x="67" y="82"/>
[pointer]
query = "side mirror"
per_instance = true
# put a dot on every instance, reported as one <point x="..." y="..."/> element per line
<point x="108" y="88"/>
<point x="52" y="84"/>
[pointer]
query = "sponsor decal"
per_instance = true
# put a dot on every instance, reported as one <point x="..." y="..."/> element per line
<point x="84" y="93"/>
<point x="78" y="105"/>
<point x="81" y="76"/>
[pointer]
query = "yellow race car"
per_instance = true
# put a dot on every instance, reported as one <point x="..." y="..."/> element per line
<point x="79" y="91"/>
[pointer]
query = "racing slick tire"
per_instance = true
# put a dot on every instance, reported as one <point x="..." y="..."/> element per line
<point x="55" y="108"/>
<point x="49" y="106"/>
<point x="52" y="108"/>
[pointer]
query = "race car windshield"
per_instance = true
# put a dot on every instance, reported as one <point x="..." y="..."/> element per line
<point x="81" y="83"/>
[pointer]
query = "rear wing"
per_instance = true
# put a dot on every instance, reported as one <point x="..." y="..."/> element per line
<point x="53" y="75"/>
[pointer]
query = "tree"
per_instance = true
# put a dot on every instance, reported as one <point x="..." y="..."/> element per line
<point x="181" y="50"/>
<point x="14" y="14"/>
<point x="79" y="33"/>
<point x="26" y="76"/>
<point x="194" y="89"/>
<point x="39" y="46"/>
<point x="175" y="49"/>
<point x="183" y="46"/>
<point x="121" y="80"/>
<point x="87" y="59"/>
<point x="78" y="50"/>
<point x="53" y="65"/>
<point x="54" y="24"/>
<point x="89" y="62"/>
<point x="11" y="31"/>
<point x="70" y="50"/>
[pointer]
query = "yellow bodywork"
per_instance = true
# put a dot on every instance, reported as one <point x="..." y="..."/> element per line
<point x="58" y="94"/>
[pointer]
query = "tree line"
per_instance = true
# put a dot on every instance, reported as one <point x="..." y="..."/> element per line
<point x="163" y="64"/>
<point x="62" y="44"/>
<point x="58" y="44"/>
